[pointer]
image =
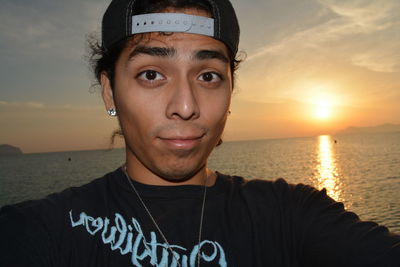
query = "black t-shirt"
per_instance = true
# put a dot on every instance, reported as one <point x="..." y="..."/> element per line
<point x="246" y="223"/>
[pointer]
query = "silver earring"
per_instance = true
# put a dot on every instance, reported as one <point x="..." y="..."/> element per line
<point x="112" y="112"/>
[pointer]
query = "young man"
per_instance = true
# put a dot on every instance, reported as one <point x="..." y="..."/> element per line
<point x="166" y="69"/>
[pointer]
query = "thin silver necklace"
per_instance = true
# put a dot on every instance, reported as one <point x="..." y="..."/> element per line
<point x="156" y="225"/>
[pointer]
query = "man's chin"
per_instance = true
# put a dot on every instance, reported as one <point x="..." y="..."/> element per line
<point x="178" y="175"/>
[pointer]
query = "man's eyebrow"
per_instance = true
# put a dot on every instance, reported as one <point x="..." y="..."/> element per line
<point x="152" y="51"/>
<point x="211" y="54"/>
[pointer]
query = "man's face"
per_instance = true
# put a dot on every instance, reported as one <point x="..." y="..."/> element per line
<point x="172" y="94"/>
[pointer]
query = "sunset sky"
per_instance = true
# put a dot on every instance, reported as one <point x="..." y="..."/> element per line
<point x="312" y="67"/>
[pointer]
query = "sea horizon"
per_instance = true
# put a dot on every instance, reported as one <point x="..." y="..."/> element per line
<point x="360" y="170"/>
<point x="339" y="133"/>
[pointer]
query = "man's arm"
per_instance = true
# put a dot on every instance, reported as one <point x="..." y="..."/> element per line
<point x="23" y="241"/>
<point x="335" y="237"/>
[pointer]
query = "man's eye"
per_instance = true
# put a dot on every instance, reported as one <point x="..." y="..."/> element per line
<point x="210" y="77"/>
<point x="150" y="75"/>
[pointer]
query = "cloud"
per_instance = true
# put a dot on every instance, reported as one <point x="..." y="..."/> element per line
<point x="378" y="23"/>
<point x="29" y="27"/>
<point x="365" y="16"/>
<point x="30" y="106"/>
<point x="9" y="106"/>
<point x="379" y="61"/>
<point x="348" y="26"/>
<point x="48" y="27"/>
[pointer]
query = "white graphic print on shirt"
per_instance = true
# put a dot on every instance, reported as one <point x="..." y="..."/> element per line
<point x="130" y="239"/>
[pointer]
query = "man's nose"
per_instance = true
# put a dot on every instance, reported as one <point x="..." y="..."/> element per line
<point x="183" y="102"/>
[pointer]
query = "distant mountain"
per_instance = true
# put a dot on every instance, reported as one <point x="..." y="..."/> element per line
<point x="9" y="150"/>
<point x="383" y="128"/>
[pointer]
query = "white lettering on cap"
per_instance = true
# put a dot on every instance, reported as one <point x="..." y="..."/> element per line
<point x="172" y="22"/>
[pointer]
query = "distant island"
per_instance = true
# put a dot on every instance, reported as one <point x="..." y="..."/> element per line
<point x="383" y="128"/>
<point x="9" y="150"/>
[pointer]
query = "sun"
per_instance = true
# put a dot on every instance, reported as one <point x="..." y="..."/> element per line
<point x="323" y="110"/>
<point x="322" y="107"/>
<point x="322" y="101"/>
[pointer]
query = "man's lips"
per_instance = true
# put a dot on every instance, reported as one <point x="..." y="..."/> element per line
<point x="182" y="142"/>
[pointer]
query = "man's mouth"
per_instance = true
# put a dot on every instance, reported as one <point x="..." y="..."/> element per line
<point x="182" y="142"/>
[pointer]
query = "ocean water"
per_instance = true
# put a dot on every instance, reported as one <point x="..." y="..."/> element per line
<point x="362" y="171"/>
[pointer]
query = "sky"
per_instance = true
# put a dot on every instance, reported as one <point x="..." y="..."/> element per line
<point x="311" y="67"/>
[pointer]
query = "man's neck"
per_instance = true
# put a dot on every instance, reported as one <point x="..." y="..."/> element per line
<point x="140" y="173"/>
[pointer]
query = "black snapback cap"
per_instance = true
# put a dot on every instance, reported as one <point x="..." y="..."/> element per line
<point x="122" y="20"/>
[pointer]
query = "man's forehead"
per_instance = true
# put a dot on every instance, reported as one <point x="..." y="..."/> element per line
<point x="170" y="52"/>
<point x="171" y="44"/>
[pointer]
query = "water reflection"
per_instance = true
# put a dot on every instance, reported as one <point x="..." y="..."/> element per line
<point x="328" y="176"/>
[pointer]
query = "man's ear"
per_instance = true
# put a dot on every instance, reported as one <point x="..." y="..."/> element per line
<point x="107" y="92"/>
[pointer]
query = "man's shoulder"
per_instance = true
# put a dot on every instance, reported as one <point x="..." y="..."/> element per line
<point x="278" y="191"/>
<point x="279" y="185"/>
<point x="89" y="194"/>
